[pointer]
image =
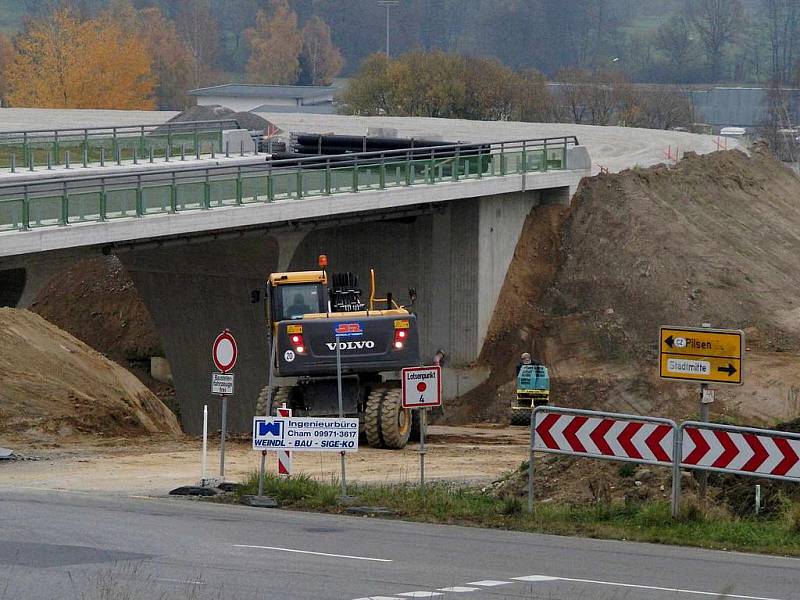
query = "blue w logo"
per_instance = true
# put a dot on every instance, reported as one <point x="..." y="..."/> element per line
<point x="272" y="428"/>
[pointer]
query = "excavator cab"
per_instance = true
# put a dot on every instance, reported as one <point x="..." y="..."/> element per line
<point x="295" y="295"/>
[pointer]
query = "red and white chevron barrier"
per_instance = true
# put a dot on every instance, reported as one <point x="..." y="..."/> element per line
<point x="707" y="446"/>
<point x="619" y="437"/>
<point x="284" y="456"/>
<point x="741" y="450"/>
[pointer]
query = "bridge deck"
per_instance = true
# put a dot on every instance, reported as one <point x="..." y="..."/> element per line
<point x="102" y="200"/>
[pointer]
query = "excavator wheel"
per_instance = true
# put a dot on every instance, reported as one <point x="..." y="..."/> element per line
<point x="266" y="406"/>
<point x="372" y="417"/>
<point x="520" y="417"/>
<point x="387" y="424"/>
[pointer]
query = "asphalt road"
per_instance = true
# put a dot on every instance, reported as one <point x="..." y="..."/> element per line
<point x="66" y="545"/>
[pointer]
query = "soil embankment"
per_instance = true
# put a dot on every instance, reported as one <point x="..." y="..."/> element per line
<point x="96" y="301"/>
<point x="52" y="384"/>
<point x="714" y="239"/>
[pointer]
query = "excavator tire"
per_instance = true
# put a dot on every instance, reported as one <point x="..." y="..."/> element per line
<point x="386" y="423"/>
<point x="395" y="420"/>
<point x="372" y="417"/>
<point x="266" y="406"/>
<point x="520" y="417"/>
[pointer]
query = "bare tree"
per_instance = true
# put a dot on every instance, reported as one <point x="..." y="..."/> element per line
<point x="674" y="38"/>
<point x="717" y="22"/>
<point x="199" y="29"/>
<point x="574" y="87"/>
<point x="783" y="25"/>
<point x="663" y="107"/>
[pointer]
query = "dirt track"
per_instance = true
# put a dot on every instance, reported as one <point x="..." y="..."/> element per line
<point x="153" y="466"/>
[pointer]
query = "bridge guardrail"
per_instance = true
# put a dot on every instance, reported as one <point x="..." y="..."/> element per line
<point x="83" y="145"/>
<point x="99" y="198"/>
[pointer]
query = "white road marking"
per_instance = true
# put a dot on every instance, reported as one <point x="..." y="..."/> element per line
<point x="183" y="581"/>
<point x="458" y="589"/>
<point x="380" y="598"/>
<point x="420" y="594"/>
<point x="314" y="553"/>
<point x="642" y="587"/>
<point x="488" y="583"/>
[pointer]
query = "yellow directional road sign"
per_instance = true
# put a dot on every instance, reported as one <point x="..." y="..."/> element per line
<point x="700" y="354"/>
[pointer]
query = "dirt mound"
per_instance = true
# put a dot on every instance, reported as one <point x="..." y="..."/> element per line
<point x="97" y="302"/>
<point x="714" y="239"/>
<point x="215" y="112"/>
<point x="51" y="382"/>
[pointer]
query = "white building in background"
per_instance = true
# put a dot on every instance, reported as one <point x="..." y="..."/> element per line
<point x="316" y="99"/>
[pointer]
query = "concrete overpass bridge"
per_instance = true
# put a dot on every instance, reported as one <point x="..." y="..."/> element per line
<point x="197" y="239"/>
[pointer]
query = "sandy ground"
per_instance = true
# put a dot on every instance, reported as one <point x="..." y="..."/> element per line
<point x="153" y="466"/>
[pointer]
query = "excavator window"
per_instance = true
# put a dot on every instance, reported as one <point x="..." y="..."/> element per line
<point x="297" y="300"/>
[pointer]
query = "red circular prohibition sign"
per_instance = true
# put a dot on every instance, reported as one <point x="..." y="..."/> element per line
<point x="225" y="351"/>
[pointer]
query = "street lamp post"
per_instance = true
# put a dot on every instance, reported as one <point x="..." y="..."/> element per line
<point x="388" y="4"/>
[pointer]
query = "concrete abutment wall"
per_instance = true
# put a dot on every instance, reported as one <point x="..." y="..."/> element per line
<point x="455" y="255"/>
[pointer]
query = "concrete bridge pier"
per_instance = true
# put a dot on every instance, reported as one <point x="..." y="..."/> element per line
<point x="194" y="291"/>
<point x="455" y="254"/>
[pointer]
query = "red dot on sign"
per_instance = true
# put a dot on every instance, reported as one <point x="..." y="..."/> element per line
<point x="421" y="387"/>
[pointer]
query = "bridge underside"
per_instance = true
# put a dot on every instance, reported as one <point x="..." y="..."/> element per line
<point x="454" y="254"/>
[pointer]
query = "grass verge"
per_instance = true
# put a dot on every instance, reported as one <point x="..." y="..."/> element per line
<point x="644" y="522"/>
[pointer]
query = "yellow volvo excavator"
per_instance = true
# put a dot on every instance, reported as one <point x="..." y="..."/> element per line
<point x="309" y="319"/>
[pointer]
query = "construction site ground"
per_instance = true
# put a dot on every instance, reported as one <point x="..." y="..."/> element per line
<point x="153" y="465"/>
<point x="712" y="238"/>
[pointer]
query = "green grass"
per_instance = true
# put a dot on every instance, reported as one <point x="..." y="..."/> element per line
<point x="452" y="504"/>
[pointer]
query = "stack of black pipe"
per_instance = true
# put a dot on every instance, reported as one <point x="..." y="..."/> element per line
<point x="332" y="147"/>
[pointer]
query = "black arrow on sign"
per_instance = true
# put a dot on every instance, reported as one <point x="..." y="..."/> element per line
<point x="730" y="369"/>
<point x="669" y="341"/>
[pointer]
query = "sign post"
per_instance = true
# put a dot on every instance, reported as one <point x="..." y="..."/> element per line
<point x="341" y="411"/>
<point x="204" y="459"/>
<point x="422" y="388"/>
<point x="269" y="395"/>
<point x="284" y="456"/>
<point x="224" y="353"/>
<point x="704" y="355"/>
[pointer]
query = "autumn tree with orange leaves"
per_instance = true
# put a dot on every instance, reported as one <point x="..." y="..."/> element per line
<point x="320" y="61"/>
<point x="63" y="62"/>
<point x="275" y="46"/>
<point x="173" y="64"/>
<point x="6" y="58"/>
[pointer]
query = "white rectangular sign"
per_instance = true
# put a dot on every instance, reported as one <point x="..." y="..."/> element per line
<point x="316" y="434"/>
<point x="222" y="384"/>
<point x="422" y="386"/>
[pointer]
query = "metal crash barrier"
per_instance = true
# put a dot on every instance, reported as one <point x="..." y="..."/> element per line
<point x="662" y="442"/>
<point x="158" y="191"/>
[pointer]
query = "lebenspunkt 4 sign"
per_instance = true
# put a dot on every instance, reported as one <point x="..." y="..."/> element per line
<point x="422" y="386"/>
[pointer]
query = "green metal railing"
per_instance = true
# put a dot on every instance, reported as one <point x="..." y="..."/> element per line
<point x="81" y="199"/>
<point x="21" y="150"/>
